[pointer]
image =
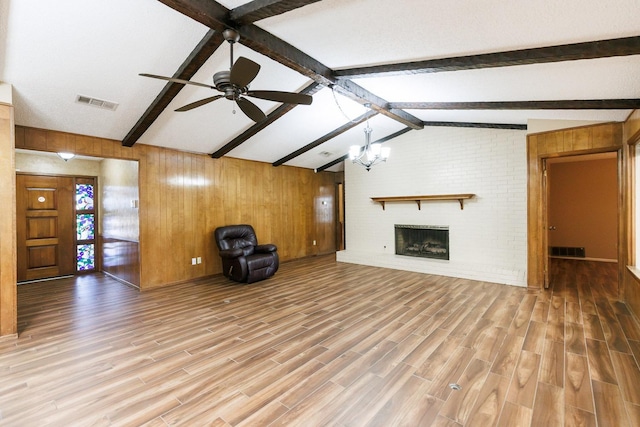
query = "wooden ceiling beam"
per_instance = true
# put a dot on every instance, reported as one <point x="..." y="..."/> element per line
<point x="213" y="15"/>
<point x="342" y="129"/>
<point x="205" y="48"/>
<point x="209" y="13"/>
<point x="444" y="124"/>
<point x="568" y="52"/>
<point x="271" y="117"/>
<point x="357" y="93"/>
<point x="508" y="126"/>
<point x="262" y="9"/>
<point x="331" y="163"/>
<point x="217" y="18"/>
<point x="584" y="104"/>
<point x="265" y="43"/>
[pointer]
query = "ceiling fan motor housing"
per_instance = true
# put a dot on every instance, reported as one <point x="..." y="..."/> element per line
<point x="222" y="82"/>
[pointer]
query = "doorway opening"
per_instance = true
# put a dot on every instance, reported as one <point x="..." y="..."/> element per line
<point x="99" y="225"/>
<point x="582" y="211"/>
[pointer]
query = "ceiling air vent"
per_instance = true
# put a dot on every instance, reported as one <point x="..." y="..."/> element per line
<point x="100" y="103"/>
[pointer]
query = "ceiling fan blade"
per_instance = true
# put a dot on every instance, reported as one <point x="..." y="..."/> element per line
<point x="199" y="103"/>
<point x="171" y="79"/>
<point x="277" y="96"/>
<point x="251" y="110"/>
<point x="243" y="72"/>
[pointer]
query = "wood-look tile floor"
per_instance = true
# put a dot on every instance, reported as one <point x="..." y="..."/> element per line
<point x="324" y="344"/>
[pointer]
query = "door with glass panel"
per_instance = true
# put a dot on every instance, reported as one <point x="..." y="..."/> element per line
<point x="55" y="221"/>
<point x="85" y="225"/>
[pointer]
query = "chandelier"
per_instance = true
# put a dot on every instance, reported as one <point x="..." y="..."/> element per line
<point x="370" y="154"/>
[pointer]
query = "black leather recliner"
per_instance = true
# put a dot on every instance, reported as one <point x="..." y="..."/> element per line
<point x="243" y="259"/>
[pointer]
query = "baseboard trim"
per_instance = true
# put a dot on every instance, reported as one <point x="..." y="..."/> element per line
<point x="8" y="337"/>
<point x="118" y="279"/>
<point x="585" y="259"/>
<point x="46" y="279"/>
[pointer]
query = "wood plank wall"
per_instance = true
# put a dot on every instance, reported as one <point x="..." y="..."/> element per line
<point x="630" y="282"/>
<point x="185" y="196"/>
<point x="121" y="259"/>
<point x="8" y="302"/>
<point x="580" y="140"/>
<point x="119" y="219"/>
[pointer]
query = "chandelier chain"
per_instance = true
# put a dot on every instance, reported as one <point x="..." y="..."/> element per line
<point x="333" y="92"/>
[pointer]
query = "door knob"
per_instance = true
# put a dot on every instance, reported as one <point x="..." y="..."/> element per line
<point x="551" y="227"/>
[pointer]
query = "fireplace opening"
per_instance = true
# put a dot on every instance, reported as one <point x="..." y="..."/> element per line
<point x="426" y="241"/>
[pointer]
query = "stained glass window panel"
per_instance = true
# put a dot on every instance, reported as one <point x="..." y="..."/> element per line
<point x="85" y="258"/>
<point x="84" y="197"/>
<point x="85" y="227"/>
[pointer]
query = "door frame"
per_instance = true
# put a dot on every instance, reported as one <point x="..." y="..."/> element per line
<point x="567" y="142"/>
<point x="546" y="204"/>
<point x="97" y="245"/>
<point x="339" y="216"/>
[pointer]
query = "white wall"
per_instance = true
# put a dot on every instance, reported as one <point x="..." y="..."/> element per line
<point x="49" y="163"/>
<point x="488" y="239"/>
<point x="6" y="93"/>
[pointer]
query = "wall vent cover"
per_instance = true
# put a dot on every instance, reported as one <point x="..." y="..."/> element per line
<point x="95" y="102"/>
<point x="567" y="252"/>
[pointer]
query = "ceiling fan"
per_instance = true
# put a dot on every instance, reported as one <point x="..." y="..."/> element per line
<point x="234" y="84"/>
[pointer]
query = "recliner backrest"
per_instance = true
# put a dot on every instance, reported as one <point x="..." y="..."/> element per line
<point x="236" y="237"/>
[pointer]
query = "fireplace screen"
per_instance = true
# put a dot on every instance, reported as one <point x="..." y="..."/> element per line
<point x="427" y="241"/>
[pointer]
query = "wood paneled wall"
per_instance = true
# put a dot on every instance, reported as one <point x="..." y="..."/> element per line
<point x="185" y="196"/>
<point x="631" y="282"/>
<point x="8" y="302"/>
<point x="581" y="140"/>
<point x="121" y="259"/>
<point x="632" y="128"/>
<point x="120" y="220"/>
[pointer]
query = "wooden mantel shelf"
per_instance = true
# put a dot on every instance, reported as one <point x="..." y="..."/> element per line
<point x="418" y="199"/>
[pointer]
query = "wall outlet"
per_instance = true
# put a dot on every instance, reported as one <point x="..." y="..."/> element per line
<point x="199" y="261"/>
<point x="193" y="261"/>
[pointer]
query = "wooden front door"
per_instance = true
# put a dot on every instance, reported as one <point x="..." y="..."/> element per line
<point x="44" y="217"/>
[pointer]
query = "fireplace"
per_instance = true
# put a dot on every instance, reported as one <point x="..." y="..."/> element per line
<point x="426" y="241"/>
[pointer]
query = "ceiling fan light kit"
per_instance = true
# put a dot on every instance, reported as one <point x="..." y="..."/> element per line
<point x="234" y="85"/>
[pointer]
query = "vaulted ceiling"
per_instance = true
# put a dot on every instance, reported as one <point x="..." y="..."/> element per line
<point x="399" y="65"/>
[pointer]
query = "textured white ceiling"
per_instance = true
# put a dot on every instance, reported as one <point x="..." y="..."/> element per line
<point x="348" y="33"/>
<point x="54" y="51"/>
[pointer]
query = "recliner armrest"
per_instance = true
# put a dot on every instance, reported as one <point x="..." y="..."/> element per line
<point x="266" y="248"/>
<point x="231" y="253"/>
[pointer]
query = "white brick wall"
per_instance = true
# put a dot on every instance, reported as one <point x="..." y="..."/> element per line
<point x="488" y="239"/>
